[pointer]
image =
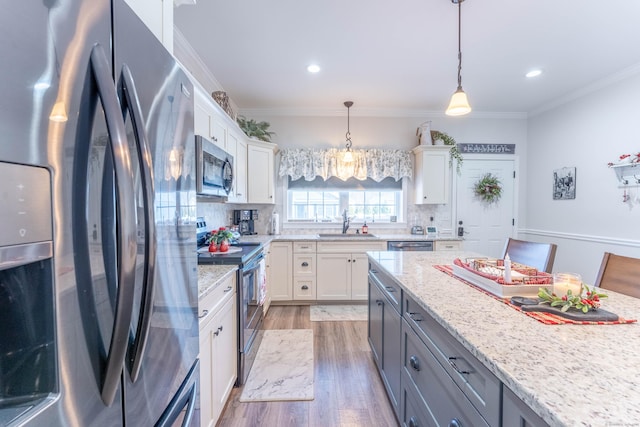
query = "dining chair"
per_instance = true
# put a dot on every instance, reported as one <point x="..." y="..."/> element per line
<point x="533" y="254"/>
<point x="619" y="274"/>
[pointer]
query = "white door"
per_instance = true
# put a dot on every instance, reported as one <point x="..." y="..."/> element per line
<point x="486" y="225"/>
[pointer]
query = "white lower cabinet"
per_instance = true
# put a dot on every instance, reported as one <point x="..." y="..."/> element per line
<point x="447" y="245"/>
<point x="218" y="349"/>
<point x="342" y="269"/>
<point x="304" y="271"/>
<point x="280" y="271"/>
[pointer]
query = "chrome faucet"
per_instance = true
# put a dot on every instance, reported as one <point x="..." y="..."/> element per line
<point x="345" y="222"/>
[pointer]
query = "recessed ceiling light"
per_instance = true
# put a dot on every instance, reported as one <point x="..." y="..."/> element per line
<point x="533" y="73"/>
<point x="313" y="68"/>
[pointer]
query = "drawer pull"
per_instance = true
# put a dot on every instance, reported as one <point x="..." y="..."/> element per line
<point x="415" y="363"/>
<point x="389" y="288"/>
<point x="379" y="302"/>
<point x="415" y="317"/>
<point x="455" y="423"/>
<point x="373" y="271"/>
<point x="305" y="264"/>
<point x="413" y="422"/>
<point x="228" y="289"/>
<point x="204" y="313"/>
<point x="304" y="287"/>
<point x="304" y="247"/>
<point x="452" y="362"/>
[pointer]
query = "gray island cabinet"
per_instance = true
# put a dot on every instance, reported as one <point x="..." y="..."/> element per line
<point x="450" y="355"/>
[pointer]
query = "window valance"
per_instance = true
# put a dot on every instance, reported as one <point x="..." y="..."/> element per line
<point x="376" y="164"/>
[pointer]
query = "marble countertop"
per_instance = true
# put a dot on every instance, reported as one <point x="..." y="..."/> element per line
<point x="570" y="375"/>
<point x="210" y="275"/>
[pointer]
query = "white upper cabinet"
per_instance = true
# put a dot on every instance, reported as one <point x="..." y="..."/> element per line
<point x="214" y="124"/>
<point x="237" y="147"/>
<point x="432" y="174"/>
<point x="261" y="179"/>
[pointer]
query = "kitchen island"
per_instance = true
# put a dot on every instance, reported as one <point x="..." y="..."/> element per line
<point x="567" y="374"/>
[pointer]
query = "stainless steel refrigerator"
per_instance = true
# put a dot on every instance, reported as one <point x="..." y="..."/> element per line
<point x="98" y="280"/>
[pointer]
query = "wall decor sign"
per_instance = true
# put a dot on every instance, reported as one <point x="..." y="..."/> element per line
<point x="564" y="183"/>
<point x="487" y="148"/>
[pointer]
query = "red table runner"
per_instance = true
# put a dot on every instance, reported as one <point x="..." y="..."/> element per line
<point x="546" y="318"/>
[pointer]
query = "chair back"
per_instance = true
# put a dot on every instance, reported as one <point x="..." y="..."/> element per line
<point x="619" y="274"/>
<point x="533" y="254"/>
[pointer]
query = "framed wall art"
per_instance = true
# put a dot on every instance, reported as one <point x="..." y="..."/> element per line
<point x="564" y="183"/>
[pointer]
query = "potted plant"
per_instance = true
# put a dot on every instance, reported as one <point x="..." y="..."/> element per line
<point x="448" y="140"/>
<point x="219" y="240"/>
<point x="255" y="129"/>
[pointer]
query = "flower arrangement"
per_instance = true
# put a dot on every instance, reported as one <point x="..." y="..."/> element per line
<point x="488" y="188"/>
<point x="255" y="129"/>
<point x="454" y="152"/>
<point x="626" y="159"/>
<point x="219" y="235"/>
<point x="591" y="300"/>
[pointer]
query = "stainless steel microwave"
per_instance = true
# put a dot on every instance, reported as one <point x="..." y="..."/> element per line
<point x="214" y="170"/>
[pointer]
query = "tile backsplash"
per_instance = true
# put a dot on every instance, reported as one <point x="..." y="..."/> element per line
<point x="221" y="214"/>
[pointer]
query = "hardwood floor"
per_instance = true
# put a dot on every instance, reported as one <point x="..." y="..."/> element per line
<point x="348" y="388"/>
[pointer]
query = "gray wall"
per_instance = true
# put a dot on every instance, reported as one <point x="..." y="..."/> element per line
<point x="586" y="132"/>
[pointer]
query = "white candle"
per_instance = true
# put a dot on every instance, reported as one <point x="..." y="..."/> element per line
<point x="564" y="282"/>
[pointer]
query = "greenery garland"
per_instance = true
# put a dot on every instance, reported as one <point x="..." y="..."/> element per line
<point x="488" y="188"/>
<point x="454" y="152"/>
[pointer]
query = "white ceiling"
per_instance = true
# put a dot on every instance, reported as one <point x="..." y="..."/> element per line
<point x="402" y="55"/>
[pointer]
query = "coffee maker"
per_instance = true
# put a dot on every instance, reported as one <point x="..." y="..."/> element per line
<point x="245" y="220"/>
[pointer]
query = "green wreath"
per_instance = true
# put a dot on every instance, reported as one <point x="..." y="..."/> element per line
<point x="488" y="188"/>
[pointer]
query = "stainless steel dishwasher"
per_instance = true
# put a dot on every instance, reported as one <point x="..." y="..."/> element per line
<point x="410" y="245"/>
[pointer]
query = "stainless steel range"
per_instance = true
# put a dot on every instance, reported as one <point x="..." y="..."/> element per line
<point x="250" y="313"/>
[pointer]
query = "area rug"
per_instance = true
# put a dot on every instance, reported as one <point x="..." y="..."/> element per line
<point x="329" y="313"/>
<point x="283" y="369"/>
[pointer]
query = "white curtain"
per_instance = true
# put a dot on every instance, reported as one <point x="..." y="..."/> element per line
<point x="376" y="164"/>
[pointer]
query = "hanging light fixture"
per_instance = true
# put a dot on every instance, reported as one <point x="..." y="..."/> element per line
<point x="459" y="104"/>
<point x="348" y="156"/>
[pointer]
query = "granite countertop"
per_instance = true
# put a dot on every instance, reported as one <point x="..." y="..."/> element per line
<point x="568" y="374"/>
<point x="267" y="238"/>
<point x="211" y="275"/>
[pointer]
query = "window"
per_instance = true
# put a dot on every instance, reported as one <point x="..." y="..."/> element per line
<point x="324" y="201"/>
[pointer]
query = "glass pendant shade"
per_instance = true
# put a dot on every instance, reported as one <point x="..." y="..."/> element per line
<point x="459" y="104"/>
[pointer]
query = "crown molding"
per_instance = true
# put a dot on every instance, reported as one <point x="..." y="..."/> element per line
<point x="183" y="49"/>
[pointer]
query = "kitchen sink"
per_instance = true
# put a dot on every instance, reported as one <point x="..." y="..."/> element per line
<point x="345" y="236"/>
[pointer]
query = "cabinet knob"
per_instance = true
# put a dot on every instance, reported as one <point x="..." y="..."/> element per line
<point x="415" y="363"/>
<point x="204" y="313"/>
<point x="305" y="264"/>
<point x="413" y="422"/>
<point x="349" y="260"/>
<point x="354" y="260"/>
<point x="455" y="423"/>
<point x="304" y="287"/>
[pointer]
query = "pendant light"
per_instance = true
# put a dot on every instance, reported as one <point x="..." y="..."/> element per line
<point x="459" y="104"/>
<point x="348" y="157"/>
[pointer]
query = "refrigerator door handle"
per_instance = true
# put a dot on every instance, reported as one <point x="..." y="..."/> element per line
<point x="126" y="229"/>
<point x="130" y="101"/>
<point x="184" y="397"/>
